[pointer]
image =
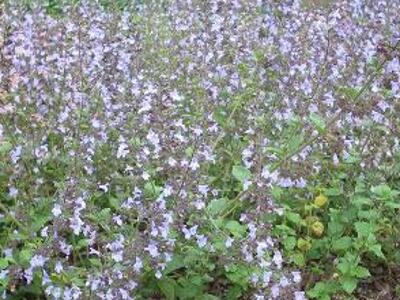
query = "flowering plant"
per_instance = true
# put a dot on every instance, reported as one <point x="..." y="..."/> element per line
<point x="146" y="146"/>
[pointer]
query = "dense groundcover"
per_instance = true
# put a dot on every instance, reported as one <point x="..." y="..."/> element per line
<point x="191" y="149"/>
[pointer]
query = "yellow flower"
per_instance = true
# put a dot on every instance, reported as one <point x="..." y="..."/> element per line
<point x="317" y="228"/>
<point x="320" y="201"/>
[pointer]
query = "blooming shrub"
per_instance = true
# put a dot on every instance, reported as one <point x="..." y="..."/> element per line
<point x="147" y="149"/>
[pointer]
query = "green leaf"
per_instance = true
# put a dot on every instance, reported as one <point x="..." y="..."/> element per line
<point x="187" y="290"/>
<point x="152" y="190"/>
<point x="360" y="186"/>
<point x="82" y="243"/>
<point x="234" y="227"/>
<point x="318" y="121"/>
<point x="5" y="147"/>
<point x="284" y="230"/>
<point x="333" y="191"/>
<point x="298" y="259"/>
<point x="361" y="272"/>
<point x="392" y="204"/>
<point x="234" y="292"/>
<point x="220" y="116"/>
<point x="240" y="173"/>
<point x="382" y="191"/>
<point x="323" y="290"/>
<point x="349" y="92"/>
<point x="104" y="214"/>
<point x="377" y="250"/>
<point x="174" y="264"/>
<point x="25" y="256"/>
<point x="359" y="201"/>
<point x="114" y="202"/>
<point x="217" y="206"/>
<point x="3" y="263"/>
<point x="335" y="228"/>
<point x="342" y="244"/>
<point x="344" y="267"/>
<point x="295" y="142"/>
<point x="167" y="287"/>
<point x="370" y="215"/>
<point x="289" y="243"/>
<point x="238" y="274"/>
<point x="294" y="218"/>
<point x="348" y="284"/>
<point x="189" y="151"/>
<point x="276" y="192"/>
<point x="39" y="221"/>
<point x="364" y="228"/>
<point x="95" y="262"/>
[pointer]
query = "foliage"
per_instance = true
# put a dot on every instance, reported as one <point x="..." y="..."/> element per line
<point x="356" y="233"/>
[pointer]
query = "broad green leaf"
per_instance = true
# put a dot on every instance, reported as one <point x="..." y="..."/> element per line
<point x="39" y="221"/>
<point x="333" y="191"/>
<point x="187" y="290"/>
<point x="3" y="263"/>
<point x="104" y="214"/>
<point x="174" y="264"/>
<point x="323" y="290"/>
<point x="235" y="228"/>
<point x="95" y="262"/>
<point x="377" y="250"/>
<point x="220" y="116"/>
<point x="360" y="186"/>
<point x="294" y="218"/>
<point x="318" y="121"/>
<point x="392" y="204"/>
<point x="114" y="202"/>
<point x="349" y="284"/>
<point x="382" y="191"/>
<point x="82" y="243"/>
<point x="152" y="190"/>
<point x="364" y="228"/>
<point x="189" y="151"/>
<point x="25" y="256"/>
<point x="240" y="173"/>
<point x="298" y="259"/>
<point x="289" y="243"/>
<point x="5" y="147"/>
<point x="349" y="92"/>
<point x="217" y="206"/>
<point x="284" y="230"/>
<point x="238" y="274"/>
<point x="344" y="267"/>
<point x="361" y="272"/>
<point x="234" y="292"/>
<point x="276" y="192"/>
<point x="361" y="200"/>
<point x="295" y="142"/>
<point x="335" y="228"/>
<point x="167" y="287"/>
<point x="342" y="243"/>
<point x="370" y="215"/>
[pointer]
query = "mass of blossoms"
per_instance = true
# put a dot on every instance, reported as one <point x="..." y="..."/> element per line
<point x="143" y="147"/>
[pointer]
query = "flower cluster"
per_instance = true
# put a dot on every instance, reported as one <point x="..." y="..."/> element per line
<point x="123" y="127"/>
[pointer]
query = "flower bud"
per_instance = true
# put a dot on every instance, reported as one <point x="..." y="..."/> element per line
<point x="317" y="228"/>
<point x="320" y="201"/>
